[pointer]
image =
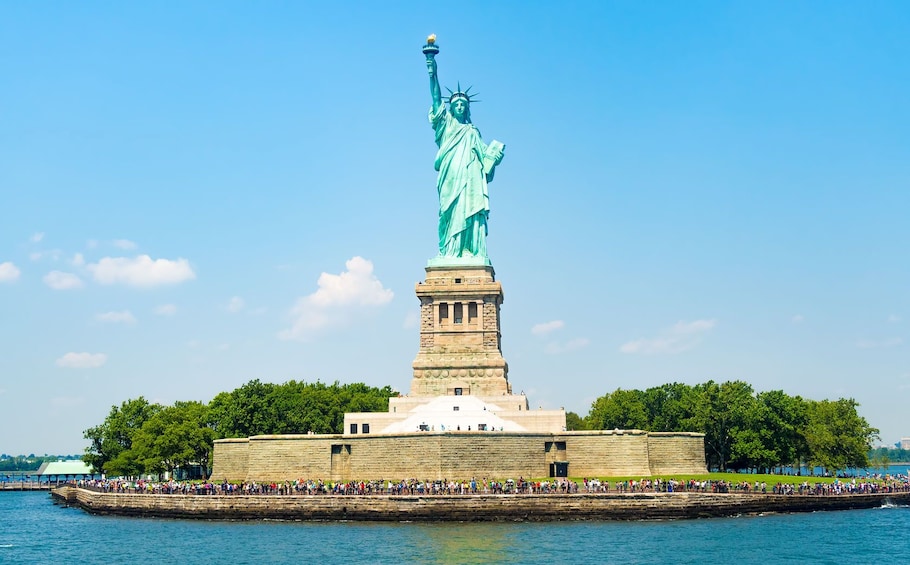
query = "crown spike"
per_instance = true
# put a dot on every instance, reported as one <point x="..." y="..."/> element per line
<point x="465" y="94"/>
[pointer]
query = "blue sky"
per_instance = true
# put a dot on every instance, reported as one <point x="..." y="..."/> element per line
<point x="194" y="195"/>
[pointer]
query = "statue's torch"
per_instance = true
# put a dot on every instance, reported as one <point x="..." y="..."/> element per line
<point x="431" y="49"/>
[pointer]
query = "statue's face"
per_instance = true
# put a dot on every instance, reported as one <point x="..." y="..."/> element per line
<point x="460" y="109"/>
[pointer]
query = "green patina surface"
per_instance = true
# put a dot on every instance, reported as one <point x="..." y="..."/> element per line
<point x="466" y="166"/>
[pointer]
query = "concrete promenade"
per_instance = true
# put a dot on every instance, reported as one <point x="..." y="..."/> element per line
<point x="467" y="508"/>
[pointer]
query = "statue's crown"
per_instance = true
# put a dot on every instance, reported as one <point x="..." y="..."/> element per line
<point x="463" y="94"/>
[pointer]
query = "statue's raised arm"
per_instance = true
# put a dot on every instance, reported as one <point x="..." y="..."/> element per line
<point x="430" y="51"/>
<point x="465" y="164"/>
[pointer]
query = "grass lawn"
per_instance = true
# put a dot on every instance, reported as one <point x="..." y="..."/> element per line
<point x="770" y="480"/>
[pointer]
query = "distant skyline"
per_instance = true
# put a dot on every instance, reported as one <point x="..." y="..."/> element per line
<point x="197" y="195"/>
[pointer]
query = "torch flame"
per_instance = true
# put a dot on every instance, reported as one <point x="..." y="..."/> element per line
<point x="431" y="39"/>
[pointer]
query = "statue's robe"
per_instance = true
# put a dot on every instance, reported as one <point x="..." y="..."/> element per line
<point x="464" y="200"/>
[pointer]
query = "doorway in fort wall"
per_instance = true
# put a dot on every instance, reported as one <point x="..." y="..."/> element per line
<point x="556" y="458"/>
<point x="341" y="461"/>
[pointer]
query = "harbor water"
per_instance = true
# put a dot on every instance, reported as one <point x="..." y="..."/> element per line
<point x="34" y="530"/>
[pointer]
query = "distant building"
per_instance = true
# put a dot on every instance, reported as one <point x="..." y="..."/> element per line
<point x="59" y="471"/>
<point x="905" y="443"/>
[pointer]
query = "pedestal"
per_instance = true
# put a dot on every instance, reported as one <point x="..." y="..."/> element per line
<point x="460" y="341"/>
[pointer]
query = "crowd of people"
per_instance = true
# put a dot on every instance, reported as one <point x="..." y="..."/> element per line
<point x="445" y="487"/>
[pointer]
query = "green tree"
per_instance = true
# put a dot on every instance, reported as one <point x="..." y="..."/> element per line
<point x="879" y="458"/>
<point x="575" y="422"/>
<point x="620" y="409"/>
<point x="837" y="436"/>
<point x="744" y="430"/>
<point x="292" y="408"/>
<point x="112" y="440"/>
<point x="891" y="455"/>
<point x="721" y="415"/>
<point x="176" y="436"/>
<point x="782" y="419"/>
<point x="769" y="434"/>
<point x="672" y="407"/>
<point x="139" y="437"/>
<point x="243" y="412"/>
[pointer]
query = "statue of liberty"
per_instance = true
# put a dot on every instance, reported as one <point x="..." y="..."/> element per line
<point x="465" y="165"/>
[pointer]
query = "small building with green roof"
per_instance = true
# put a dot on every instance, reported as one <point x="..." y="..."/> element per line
<point x="57" y="471"/>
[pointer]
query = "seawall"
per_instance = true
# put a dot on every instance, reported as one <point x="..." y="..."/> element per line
<point x="467" y="508"/>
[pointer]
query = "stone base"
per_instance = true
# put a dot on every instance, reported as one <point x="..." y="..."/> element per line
<point x="459" y="332"/>
<point x="453" y="373"/>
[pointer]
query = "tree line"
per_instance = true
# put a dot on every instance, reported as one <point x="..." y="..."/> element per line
<point x="29" y="462"/>
<point x="882" y="456"/>
<point x="139" y="437"/>
<point x="744" y="430"/>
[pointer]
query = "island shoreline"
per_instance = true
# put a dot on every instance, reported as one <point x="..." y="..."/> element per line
<point x="464" y="508"/>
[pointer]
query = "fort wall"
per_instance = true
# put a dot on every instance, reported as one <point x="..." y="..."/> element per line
<point x="457" y="455"/>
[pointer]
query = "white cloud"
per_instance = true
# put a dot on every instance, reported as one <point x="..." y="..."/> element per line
<point x="123" y="317"/>
<point x="330" y="303"/>
<point x="37" y="237"/>
<point x="78" y="260"/>
<point x="676" y="339"/>
<point x="357" y="285"/>
<point x="141" y="271"/>
<point x="881" y="343"/>
<point x="165" y="310"/>
<point x="92" y="243"/>
<point x="124" y="244"/>
<point x="82" y="360"/>
<point x="555" y="348"/>
<point x="59" y="280"/>
<point x="235" y="304"/>
<point x="894" y="318"/>
<point x="547" y="327"/>
<point x="9" y="272"/>
<point x="797" y="319"/>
